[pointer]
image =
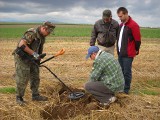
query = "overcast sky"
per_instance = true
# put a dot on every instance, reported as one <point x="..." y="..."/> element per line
<point x="144" y="12"/>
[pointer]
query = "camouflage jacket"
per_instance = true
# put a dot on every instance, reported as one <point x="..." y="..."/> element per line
<point x="34" y="40"/>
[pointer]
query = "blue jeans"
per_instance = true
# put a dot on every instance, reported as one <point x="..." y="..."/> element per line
<point x="126" y="65"/>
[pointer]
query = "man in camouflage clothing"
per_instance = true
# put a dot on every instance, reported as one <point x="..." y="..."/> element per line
<point x="32" y="43"/>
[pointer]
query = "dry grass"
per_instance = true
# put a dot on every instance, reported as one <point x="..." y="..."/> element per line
<point x="74" y="71"/>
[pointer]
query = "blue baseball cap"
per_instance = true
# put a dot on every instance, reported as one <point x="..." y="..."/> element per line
<point x="92" y="49"/>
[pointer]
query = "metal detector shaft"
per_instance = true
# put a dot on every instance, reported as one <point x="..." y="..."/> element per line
<point x="56" y="77"/>
<point x="47" y="60"/>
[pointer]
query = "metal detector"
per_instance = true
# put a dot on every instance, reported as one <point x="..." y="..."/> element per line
<point x="72" y="95"/>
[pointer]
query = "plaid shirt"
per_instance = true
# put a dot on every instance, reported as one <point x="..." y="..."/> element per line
<point x="107" y="70"/>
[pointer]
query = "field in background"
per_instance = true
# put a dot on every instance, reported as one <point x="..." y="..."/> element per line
<point x="15" y="31"/>
<point x="64" y="30"/>
<point x="143" y="102"/>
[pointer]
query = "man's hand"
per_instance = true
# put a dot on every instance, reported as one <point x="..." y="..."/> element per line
<point x="35" y="55"/>
<point x="137" y="52"/>
<point x="41" y="56"/>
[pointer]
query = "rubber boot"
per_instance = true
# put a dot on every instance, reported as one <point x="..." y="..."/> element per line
<point x="20" y="100"/>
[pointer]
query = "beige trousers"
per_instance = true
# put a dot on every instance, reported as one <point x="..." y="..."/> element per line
<point x="107" y="49"/>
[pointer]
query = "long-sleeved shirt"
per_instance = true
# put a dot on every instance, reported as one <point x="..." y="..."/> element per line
<point x="107" y="70"/>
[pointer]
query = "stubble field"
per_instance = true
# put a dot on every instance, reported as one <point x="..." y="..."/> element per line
<point x="143" y="102"/>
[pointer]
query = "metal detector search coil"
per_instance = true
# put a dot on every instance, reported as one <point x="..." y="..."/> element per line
<point x="76" y="95"/>
<point x="72" y="95"/>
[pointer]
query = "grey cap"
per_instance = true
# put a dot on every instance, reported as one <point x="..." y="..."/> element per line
<point x="106" y="14"/>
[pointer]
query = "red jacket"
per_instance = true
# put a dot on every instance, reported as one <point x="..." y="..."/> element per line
<point x="131" y="39"/>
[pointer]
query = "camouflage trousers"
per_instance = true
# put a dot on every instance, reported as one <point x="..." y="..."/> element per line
<point x="26" y="72"/>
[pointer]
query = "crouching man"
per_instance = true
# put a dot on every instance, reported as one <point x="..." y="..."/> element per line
<point x="106" y="77"/>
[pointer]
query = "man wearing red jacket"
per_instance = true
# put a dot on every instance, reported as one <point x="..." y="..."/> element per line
<point x="128" y="44"/>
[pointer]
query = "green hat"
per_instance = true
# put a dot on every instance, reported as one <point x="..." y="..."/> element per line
<point x="106" y="14"/>
<point x="49" y="25"/>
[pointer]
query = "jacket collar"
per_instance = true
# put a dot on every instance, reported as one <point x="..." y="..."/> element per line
<point x="129" y="20"/>
<point x="99" y="53"/>
<point x="39" y="35"/>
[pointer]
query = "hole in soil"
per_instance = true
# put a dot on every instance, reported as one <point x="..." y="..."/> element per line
<point x="67" y="108"/>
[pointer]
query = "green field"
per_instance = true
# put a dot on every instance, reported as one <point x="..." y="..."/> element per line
<point x="16" y="31"/>
<point x="65" y="30"/>
<point x="150" y="32"/>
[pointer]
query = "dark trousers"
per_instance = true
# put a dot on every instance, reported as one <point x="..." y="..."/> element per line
<point x="99" y="91"/>
<point x="126" y="65"/>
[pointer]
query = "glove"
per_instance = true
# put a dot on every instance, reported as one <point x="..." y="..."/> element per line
<point x="41" y="56"/>
<point x="35" y="55"/>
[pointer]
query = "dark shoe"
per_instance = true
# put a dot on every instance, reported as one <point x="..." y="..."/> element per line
<point x="39" y="98"/>
<point x="20" y="100"/>
<point x="126" y="92"/>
